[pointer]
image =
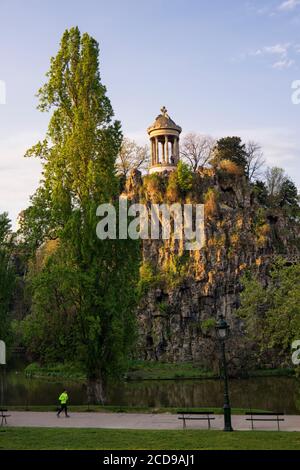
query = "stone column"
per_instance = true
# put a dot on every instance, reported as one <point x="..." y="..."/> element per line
<point x="167" y="149"/>
<point x="152" y="151"/>
<point x="175" y="150"/>
<point x="163" y="152"/>
<point x="156" y="151"/>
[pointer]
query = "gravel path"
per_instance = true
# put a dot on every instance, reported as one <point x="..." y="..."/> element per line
<point x="136" y="421"/>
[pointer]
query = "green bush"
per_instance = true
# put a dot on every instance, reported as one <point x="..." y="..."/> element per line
<point x="184" y="177"/>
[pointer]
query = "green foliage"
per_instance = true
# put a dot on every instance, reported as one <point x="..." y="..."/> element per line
<point x="208" y="325"/>
<point x="68" y="370"/>
<point x="157" y="370"/>
<point x="260" y="192"/>
<point x="176" y="270"/>
<point x="50" y="332"/>
<point x="272" y="314"/>
<point x="154" y="186"/>
<point x="36" y="224"/>
<point x="288" y="198"/>
<point x="7" y="278"/>
<point x="282" y="192"/>
<point x="163" y="307"/>
<point x="83" y="296"/>
<point x="128" y="439"/>
<point x="148" y="278"/>
<point x="230" y="148"/>
<point x="184" y="177"/>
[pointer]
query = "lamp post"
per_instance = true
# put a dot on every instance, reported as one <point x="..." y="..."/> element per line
<point x="2" y="369"/>
<point x="222" y="331"/>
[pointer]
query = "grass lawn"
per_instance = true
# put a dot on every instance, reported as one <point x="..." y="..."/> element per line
<point x="153" y="370"/>
<point x="143" y="370"/>
<point x="115" y="439"/>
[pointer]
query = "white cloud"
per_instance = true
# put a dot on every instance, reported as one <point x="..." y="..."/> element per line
<point x="273" y="9"/>
<point x="277" y="49"/>
<point x="283" y="64"/>
<point x="288" y="5"/>
<point x="285" y="54"/>
<point x="280" y="49"/>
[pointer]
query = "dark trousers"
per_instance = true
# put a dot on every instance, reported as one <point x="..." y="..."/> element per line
<point x="63" y="407"/>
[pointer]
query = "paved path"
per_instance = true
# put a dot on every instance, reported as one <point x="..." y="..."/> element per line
<point x="136" y="421"/>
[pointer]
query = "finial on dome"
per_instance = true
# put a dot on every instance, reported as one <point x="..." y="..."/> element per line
<point x="164" y="111"/>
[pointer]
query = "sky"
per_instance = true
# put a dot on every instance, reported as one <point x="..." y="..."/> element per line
<point x="220" y="68"/>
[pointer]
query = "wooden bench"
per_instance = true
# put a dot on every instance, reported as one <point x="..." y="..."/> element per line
<point x="264" y="416"/>
<point x="3" y="416"/>
<point x="196" y="415"/>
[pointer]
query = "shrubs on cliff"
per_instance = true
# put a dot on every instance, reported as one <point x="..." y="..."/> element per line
<point x="230" y="167"/>
<point x="184" y="177"/>
<point x="169" y="188"/>
<point x="211" y="203"/>
<point x="149" y="277"/>
<point x="154" y="187"/>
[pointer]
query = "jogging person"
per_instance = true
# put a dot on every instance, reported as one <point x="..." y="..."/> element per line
<point x="63" y="398"/>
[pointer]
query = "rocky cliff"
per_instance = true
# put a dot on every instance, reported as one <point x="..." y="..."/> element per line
<point x="182" y="293"/>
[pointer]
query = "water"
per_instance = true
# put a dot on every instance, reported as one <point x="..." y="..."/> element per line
<point x="268" y="393"/>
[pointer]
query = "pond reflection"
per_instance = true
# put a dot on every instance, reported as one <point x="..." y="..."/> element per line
<point x="269" y="393"/>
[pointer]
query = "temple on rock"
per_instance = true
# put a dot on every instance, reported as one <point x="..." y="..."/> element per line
<point x="164" y="143"/>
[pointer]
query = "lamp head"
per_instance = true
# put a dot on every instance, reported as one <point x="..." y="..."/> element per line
<point x="222" y="328"/>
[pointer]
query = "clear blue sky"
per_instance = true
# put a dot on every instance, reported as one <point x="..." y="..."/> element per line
<point x="220" y="67"/>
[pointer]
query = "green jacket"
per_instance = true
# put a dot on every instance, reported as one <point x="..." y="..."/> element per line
<point x="63" y="398"/>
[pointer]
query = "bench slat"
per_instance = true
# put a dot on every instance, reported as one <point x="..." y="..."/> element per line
<point x="267" y="413"/>
<point x="197" y="419"/>
<point x="195" y="412"/>
<point x="267" y="419"/>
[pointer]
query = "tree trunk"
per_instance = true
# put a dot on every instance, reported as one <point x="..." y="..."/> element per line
<point x="96" y="391"/>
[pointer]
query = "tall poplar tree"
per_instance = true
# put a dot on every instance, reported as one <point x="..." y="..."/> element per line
<point x="78" y="155"/>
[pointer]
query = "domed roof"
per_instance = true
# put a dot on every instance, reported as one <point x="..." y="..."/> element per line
<point x="163" y="121"/>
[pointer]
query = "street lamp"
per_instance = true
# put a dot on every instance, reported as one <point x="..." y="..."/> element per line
<point x="222" y="331"/>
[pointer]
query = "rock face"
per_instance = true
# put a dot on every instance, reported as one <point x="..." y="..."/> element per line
<point x="184" y="292"/>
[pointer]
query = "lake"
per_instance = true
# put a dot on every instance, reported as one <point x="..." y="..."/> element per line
<point x="268" y="393"/>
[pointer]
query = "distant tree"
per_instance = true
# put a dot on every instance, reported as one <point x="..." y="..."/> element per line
<point x="288" y="194"/>
<point x="131" y="156"/>
<point x="7" y="277"/>
<point x="255" y="160"/>
<point x="282" y="192"/>
<point x="5" y="230"/>
<point x="261" y="192"/>
<point x="230" y="148"/>
<point x="275" y="177"/>
<point x="196" y="149"/>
